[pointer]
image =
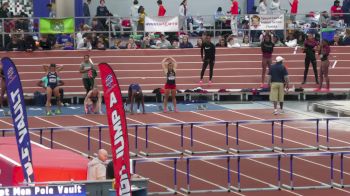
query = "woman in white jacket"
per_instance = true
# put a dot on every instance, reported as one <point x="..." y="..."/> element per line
<point x="262" y="9"/>
<point x="275" y="7"/>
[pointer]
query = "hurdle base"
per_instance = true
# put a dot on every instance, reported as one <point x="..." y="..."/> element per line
<point x="271" y="188"/>
<point x="325" y="186"/>
<point x="334" y="148"/>
<point x="168" y="192"/>
<point x="132" y="154"/>
<point x="148" y="154"/>
<point x="191" y="152"/>
<point x="253" y="150"/>
<point x="222" y="190"/>
<point x="341" y="185"/>
<point x="282" y="149"/>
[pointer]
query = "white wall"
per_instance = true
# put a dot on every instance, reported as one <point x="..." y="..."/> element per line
<point x="202" y="7"/>
<point x="65" y="8"/>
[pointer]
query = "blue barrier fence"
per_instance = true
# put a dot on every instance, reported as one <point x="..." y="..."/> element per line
<point x="238" y="157"/>
<point x="192" y="125"/>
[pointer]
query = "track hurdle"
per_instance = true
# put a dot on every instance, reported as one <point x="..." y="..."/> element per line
<point x="146" y="150"/>
<point x="291" y="185"/>
<point x="341" y="184"/>
<point x="239" y="188"/>
<point x="328" y="143"/>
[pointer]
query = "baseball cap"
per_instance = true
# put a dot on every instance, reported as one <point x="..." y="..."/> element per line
<point x="279" y="59"/>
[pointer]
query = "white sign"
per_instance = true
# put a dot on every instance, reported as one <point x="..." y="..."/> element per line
<point x="266" y="22"/>
<point x="162" y="24"/>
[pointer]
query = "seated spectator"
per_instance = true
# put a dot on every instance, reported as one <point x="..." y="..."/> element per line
<point x="52" y="87"/>
<point x="131" y="44"/>
<point x="84" y="30"/>
<point x="201" y="29"/>
<point x="231" y="43"/>
<point x="222" y="43"/>
<point x="22" y="23"/>
<point x="146" y="42"/>
<point x="97" y="166"/>
<point x="219" y="15"/>
<point x="29" y="43"/>
<point x="101" y="43"/>
<point x="86" y="44"/>
<point x="324" y="19"/>
<point x="92" y="102"/>
<point x="336" y="40"/>
<point x="15" y="45"/>
<point x="61" y="41"/>
<point x="96" y="25"/>
<point x="277" y="41"/>
<point x="164" y="43"/>
<point x="68" y="46"/>
<point x="185" y="43"/>
<point x="175" y="44"/>
<point x="44" y="43"/>
<point x="245" y="41"/>
<point x="346" y="39"/>
<point x="199" y="43"/>
<point x="116" y="44"/>
<point x="336" y="11"/>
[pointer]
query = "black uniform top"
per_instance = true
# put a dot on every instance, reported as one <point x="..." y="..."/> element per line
<point x="209" y="51"/>
<point x="52" y="79"/>
<point x="170" y="77"/>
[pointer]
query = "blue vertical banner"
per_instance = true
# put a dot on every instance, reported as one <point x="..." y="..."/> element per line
<point x="19" y="116"/>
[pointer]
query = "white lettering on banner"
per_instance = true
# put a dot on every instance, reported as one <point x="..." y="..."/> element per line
<point x="113" y="100"/>
<point x="21" y="191"/>
<point x="118" y="135"/>
<point x="69" y="189"/>
<point x="22" y="130"/>
<point x="124" y="182"/>
<point x="161" y="24"/>
<point x="266" y="22"/>
<point x="5" y="192"/>
<point x="43" y="190"/>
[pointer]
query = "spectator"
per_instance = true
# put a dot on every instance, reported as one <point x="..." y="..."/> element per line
<point x="201" y="29"/>
<point x="15" y="45"/>
<point x="278" y="80"/>
<point x="110" y="171"/>
<point x="161" y="9"/>
<point x="275" y="7"/>
<point x="183" y="16"/>
<point x="85" y="44"/>
<point x="4" y="11"/>
<point x="52" y="87"/>
<point x="346" y="11"/>
<point x="277" y="41"/>
<point x="131" y="44"/>
<point x="185" y="43"/>
<point x="29" y="43"/>
<point x="61" y="41"/>
<point x="135" y="16"/>
<point x="245" y="42"/>
<point x="164" y="43"/>
<point x="175" y="44"/>
<point x="346" y="39"/>
<point x="88" y="72"/>
<point x="262" y="8"/>
<point x="336" y="11"/>
<point x="199" y="43"/>
<point x="116" y="44"/>
<point x="97" y="166"/>
<point x="101" y="44"/>
<point x="83" y="30"/>
<point x="219" y="14"/>
<point x="231" y="42"/>
<point x="22" y="23"/>
<point x="294" y="9"/>
<point x="102" y="12"/>
<point x="234" y="16"/>
<point x="336" y="40"/>
<point x="222" y="43"/>
<point x="96" y="25"/>
<point x="52" y="12"/>
<point x="142" y="16"/>
<point x="324" y="19"/>
<point x="92" y="102"/>
<point x="146" y="42"/>
<point x="86" y="11"/>
<point x="44" y="43"/>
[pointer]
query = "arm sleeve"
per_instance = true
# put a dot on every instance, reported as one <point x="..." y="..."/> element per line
<point x="202" y="48"/>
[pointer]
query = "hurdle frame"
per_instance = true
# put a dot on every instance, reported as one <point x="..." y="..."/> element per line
<point x="341" y="183"/>
<point x="327" y="146"/>
<point x="314" y="154"/>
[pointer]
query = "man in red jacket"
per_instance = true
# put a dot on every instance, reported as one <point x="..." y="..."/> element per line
<point x="294" y="9"/>
<point x="161" y="10"/>
<point x="234" y="13"/>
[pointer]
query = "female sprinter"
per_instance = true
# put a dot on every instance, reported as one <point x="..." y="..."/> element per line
<point x="92" y="102"/>
<point x="324" y="69"/>
<point x="169" y="67"/>
<point x="135" y="94"/>
<point x="52" y="87"/>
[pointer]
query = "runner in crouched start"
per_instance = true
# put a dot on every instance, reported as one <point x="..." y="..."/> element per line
<point x="92" y="102"/>
<point x="52" y="87"/>
<point x="135" y="94"/>
<point x="169" y="66"/>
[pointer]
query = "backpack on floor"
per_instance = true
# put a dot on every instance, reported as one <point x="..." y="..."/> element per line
<point x="39" y="99"/>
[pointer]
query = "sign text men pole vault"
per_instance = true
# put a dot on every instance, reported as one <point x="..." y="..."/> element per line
<point x="117" y="129"/>
<point x="19" y="117"/>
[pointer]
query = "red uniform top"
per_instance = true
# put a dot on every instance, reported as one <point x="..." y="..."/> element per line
<point x="294" y="7"/>
<point x="234" y="8"/>
<point x="336" y="11"/>
<point x="161" y="10"/>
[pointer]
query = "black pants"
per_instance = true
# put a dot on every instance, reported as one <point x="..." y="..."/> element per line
<point x="207" y="62"/>
<point x="88" y="84"/>
<point x="314" y="66"/>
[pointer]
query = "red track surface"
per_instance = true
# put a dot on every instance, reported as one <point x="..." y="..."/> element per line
<point x="234" y="69"/>
<point x="209" y="174"/>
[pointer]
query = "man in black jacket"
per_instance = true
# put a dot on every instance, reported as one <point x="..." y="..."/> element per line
<point x="208" y="57"/>
<point x="267" y="50"/>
